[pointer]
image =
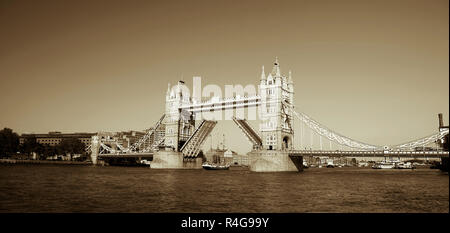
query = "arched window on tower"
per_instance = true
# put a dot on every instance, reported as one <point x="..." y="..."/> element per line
<point x="185" y="130"/>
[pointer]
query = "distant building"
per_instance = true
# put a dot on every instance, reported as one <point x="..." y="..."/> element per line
<point x="124" y="139"/>
<point x="228" y="156"/>
<point x="128" y="138"/>
<point x="220" y="155"/>
<point x="240" y="160"/>
<point x="54" y="138"/>
<point x="214" y="155"/>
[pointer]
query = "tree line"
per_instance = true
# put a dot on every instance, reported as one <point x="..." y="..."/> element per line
<point x="10" y="145"/>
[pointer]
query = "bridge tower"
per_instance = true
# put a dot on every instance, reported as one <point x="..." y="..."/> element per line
<point x="179" y="125"/>
<point x="277" y="93"/>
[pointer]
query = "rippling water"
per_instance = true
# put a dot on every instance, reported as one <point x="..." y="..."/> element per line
<point x="43" y="188"/>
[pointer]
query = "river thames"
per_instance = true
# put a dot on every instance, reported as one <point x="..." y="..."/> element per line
<point x="57" y="188"/>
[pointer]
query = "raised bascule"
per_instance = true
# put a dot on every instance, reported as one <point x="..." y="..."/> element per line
<point x="176" y="140"/>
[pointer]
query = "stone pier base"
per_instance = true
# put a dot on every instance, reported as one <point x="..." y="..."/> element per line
<point x="195" y="163"/>
<point x="274" y="161"/>
<point x="174" y="160"/>
<point x="95" y="147"/>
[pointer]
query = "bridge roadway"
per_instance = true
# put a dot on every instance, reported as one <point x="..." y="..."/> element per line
<point x="127" y="155"/>
<point x="412" y="154"/>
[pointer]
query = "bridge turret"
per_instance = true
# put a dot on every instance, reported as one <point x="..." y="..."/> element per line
<point x="276" y="69"/>
<point x="168" y="93"/>
<point x="263" y="77"/>
<point x="178" y="124"/>
<point x="289" y="81"/>
<point x="179" y="91"/>
<point x="290" y="85"/>
<point x="171" y="122"/>
<point x="276" y="123"/>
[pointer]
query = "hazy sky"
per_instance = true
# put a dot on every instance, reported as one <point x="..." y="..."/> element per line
<point x="376" y="71"/>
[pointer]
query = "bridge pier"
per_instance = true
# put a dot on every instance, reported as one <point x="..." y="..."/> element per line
<point x="274" y="161"/>
<point x="169" y="159"/>
<point x="94" y="156"/>
<point x="95" y="147"/>
<point x="193" y="163"/>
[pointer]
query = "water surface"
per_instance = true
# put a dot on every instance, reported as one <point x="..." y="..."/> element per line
<point x="53" y="188"/>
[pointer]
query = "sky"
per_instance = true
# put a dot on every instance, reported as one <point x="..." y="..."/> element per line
<point x="375" y="71"/>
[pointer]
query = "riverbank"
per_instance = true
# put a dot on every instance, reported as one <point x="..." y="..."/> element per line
<point x="26" y="161"/>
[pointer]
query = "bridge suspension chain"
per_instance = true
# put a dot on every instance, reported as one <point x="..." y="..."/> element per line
<point x="331" y="135"/>
<point x="422" y="141"/>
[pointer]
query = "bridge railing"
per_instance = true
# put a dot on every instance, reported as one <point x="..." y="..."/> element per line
<point x="373" y="153"/>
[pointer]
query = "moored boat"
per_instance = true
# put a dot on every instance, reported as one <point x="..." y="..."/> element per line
<point x="384" y="165"/>
<point x="407" y="165"/>
<point x="209" y="166"/>
<point x="330" y="164"/>
<point x="305" y="164"/>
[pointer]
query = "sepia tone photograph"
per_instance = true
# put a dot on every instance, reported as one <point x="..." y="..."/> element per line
<point x="214" y="106"/>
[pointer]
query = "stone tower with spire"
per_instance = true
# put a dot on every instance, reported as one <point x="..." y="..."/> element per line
<point x="178" y="125"/>
<point x="277" y="93"/>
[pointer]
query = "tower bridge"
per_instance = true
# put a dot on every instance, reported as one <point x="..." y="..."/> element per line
<point x="175" y="141"/>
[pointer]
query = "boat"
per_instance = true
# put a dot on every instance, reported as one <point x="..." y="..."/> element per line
<point x="407" y="165"/>
<point x="330" y="164"/>
<point x="363" y="164"/>
<point x="384" y="165"/>
<point x="305" y="164"/>
<point x="127" y="162"/>
<point x="214" y="166"/>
